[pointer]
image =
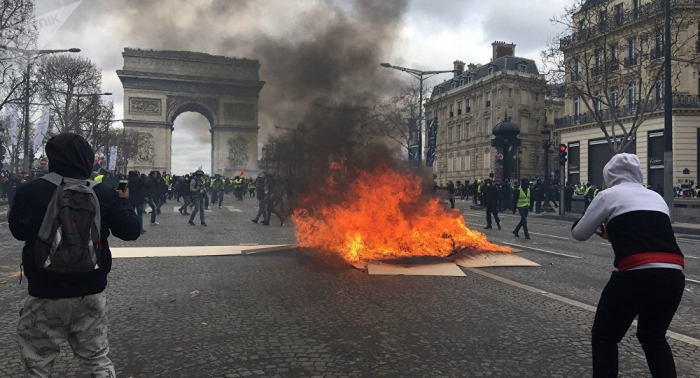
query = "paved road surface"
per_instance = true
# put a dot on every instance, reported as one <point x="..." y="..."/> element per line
<point x="287" y="314"/>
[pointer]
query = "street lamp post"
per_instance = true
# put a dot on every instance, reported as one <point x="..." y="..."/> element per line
<point x="668" y="114"/>
<point x="421" y="76"/>
<point x="77" y="104"/>
<point x="30" y="55"/>
<point x="520" y="161"/>
<point x="546" y="144"/>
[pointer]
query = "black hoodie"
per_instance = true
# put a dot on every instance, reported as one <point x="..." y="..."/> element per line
<point x="69" y="155"/>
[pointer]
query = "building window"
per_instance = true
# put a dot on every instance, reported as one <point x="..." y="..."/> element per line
<point x="577" y="70"/>
<point x="469" y="130"/>
<point x="659" y="44"/>
<point x="602" y="21"/>
<point x="487" y="160"/>
<point x="510" y="92"/>
<point x="470" y="78"/>
<point x="459" y="162"/>
<point x="537" y="96"/>
<point x="452" y="110"/>
<point x="577" y="107"/>
<point x="490" y="70"/>
<point x="487" y="97"/>
<point x="459" y="132"/>
<point x="468" y="162"/>
<point x="487" y="126"/>
<point x="631" y="52"/>
<point x="632" y="96"/>
<point x="469" y="105"/>
<point x="614" y="56"/>
<point x="619" y="14"/>
<point x="597" y="102"/>
<point x="522" y="67"/>
<point x="459" y="107"/>
<point x="537" y="161"/>
<point x="450" y="164"/>
<point x="659" y="90"/>
<point x="450" y="134"/>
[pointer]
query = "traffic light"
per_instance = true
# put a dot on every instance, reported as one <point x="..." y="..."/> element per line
<point x="562" y="154"/>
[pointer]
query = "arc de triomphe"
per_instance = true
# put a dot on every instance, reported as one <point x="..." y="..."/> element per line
<point x="160" y="85"/>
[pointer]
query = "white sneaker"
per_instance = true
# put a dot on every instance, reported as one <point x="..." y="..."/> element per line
<point x="155" y="224"/>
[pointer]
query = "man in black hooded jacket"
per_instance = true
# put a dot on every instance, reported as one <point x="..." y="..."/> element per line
<point x="67" y="306"/>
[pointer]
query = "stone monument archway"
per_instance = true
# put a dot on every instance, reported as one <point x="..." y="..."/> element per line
<point x="160" y="85"/>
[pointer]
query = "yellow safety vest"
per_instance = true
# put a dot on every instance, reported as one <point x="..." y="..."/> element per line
<point x="524" y="198"/>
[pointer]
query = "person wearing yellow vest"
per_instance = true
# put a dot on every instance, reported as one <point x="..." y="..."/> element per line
<point x="521" y="201"/>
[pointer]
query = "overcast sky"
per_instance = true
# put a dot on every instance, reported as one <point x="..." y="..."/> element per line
<point x="432" y="34"/>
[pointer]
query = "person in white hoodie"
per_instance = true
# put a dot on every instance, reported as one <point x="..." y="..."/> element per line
<point x="649" y="280"/>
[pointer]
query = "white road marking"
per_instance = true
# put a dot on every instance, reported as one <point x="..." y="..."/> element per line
<point x="693" y="281"/>
<point x="233" y="209"/>
<point x="583" y="306"/>
<point x="540" y="250"/>
<point x="551" y="236"/>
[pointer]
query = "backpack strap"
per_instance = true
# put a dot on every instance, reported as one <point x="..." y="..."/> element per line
<point x="53" y="178"/>
<point x="57" y="179"/>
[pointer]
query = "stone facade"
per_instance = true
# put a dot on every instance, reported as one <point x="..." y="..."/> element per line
<point x="160" y="85"/>
<point x="470" y="104"/>
<point x="617" y="44"/>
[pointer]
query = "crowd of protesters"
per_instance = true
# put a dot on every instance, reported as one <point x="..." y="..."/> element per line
<point x="155" y="189"/>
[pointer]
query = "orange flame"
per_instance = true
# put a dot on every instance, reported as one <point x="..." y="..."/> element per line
<point x="382" y="215"/>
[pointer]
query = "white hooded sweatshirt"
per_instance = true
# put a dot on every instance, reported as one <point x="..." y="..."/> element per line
<point x="636" y="219"/>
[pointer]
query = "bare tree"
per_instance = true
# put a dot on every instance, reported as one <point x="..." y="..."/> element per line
<point x="17" y="30"/>
<point x="619" y="95"/>
<point x="127" y="143"/>
<point x="61" y="77"/>
<point x="395" y="112"/>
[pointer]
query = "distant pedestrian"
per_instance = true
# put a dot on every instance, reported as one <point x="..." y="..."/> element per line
<point x="522" y="201"/>
<point x="260" y="193"/>
<point x="183" y="189"/>
<point x="568" y="196"/>
<point x="198" y="192"/>
<point x="491" y="203"/>
<point x="649" y="280"/>
<point x="66" y="280"/>
<point x="273" y="199"/>
<point x="137" y="196"/>
<point x="451" y="194"/>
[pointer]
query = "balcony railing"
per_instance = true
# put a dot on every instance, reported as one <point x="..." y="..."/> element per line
<point x="679" y="101"/>
<point x="648" y="9"/>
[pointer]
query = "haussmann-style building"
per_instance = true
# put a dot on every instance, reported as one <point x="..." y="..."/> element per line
<point x="615" y="52"/>
<point x="469" y="105"/>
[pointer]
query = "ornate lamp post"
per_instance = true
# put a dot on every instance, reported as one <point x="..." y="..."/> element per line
<point x="546" y="144"/>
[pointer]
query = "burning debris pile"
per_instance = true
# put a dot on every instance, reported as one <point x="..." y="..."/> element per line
<point x="381" y="214"/>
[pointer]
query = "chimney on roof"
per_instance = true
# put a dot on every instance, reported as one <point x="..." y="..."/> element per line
<point x="501" y="49"/>
<point x="458" y="67"/>
<point x="471" y="66"/>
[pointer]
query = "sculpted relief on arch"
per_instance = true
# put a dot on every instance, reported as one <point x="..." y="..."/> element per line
<point x="238" y="152"/>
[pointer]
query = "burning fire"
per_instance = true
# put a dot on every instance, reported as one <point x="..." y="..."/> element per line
<point x="379" y="215"/>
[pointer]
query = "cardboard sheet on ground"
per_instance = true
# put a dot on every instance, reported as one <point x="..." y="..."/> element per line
<point x="439" y="269"/>
<point x="485" y="260"/>
<point x="194" y="251"/>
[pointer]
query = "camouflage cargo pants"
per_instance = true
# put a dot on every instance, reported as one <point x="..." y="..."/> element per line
<point x="45" y="323"/>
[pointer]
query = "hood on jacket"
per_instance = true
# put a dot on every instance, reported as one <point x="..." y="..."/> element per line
<point x="623" y="168"/>
<point x="70" y="155"/>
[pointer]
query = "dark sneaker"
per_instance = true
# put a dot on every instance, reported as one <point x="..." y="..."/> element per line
<point x="516" y="234"/>
<point x="180" y="210"/>
<point x="204" y="224"/>
<point x="191" y="223"/>
<point x="265" y="223"/>
<point x="499" y="225"/>
<point x="527" y="237"/>
<point x="282" y="222"/>
<point x="254" y="221"/>
<point x="143" y="231"/>
<point x="488" y="228"/>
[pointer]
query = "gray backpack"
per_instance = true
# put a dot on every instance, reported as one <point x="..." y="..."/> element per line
<point x="69" y="237"/>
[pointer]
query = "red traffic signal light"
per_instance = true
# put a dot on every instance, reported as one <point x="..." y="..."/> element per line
<point x="562" y="147"/>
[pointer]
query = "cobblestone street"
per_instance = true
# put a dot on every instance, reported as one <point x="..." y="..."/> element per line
<point x="288" y="314"/>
